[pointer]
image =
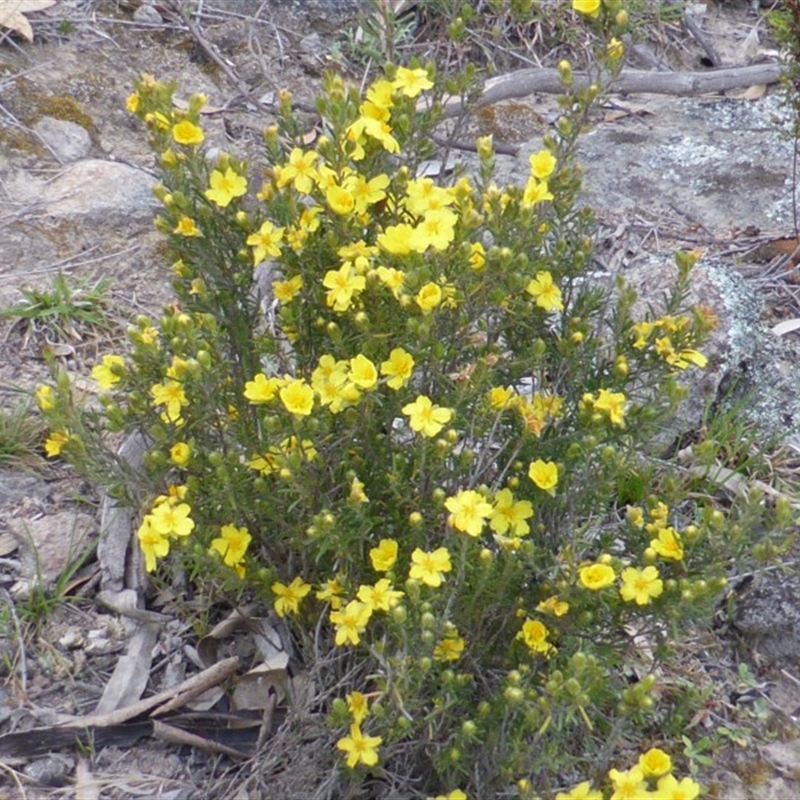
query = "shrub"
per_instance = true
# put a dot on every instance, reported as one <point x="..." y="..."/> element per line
<point x="401" y="413"/>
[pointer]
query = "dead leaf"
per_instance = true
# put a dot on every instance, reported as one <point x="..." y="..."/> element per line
<point x="86" y="787"/>
<point x="130" y="677"/>
<point x="255" y="689"/>
<point x="787" y="326"/>
<point x="621" y="112"/>
<point x="12" y="15"/>
<point x="8" y="544"/>
<point x="754" y="92"/>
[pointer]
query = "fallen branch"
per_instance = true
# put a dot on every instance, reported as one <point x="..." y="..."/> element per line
<point x="524" y="82"/>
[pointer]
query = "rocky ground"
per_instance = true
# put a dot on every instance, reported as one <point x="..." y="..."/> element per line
<point x="709" y="172"/>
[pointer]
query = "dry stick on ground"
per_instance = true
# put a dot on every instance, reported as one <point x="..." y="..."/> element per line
<point x="693" y="26"/>
<point x="527" y="81"/>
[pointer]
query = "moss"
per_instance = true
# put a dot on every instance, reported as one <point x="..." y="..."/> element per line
<point x="509" y="122"/>
<point x="63" y="107"/>
<point x="15" y="139"/>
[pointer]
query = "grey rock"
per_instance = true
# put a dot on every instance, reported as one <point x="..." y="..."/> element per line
<point x="767" y="613"/>
<point x="105" y="190"/>
<point x="147" y="14"/>
<point x="690" y="161"/>
<point x="52" y="770"/>
<point x="68" y="141"/>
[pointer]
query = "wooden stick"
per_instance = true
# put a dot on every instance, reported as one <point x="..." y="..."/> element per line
<point x="524" y="82"/>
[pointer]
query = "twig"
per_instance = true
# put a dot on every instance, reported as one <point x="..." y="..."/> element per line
<point x="527" y="81"/>
<point x="212" y="53"/>
<point x="501" y="148"/>
<point x="694" y="28"/>
<point x="190" y="687"/>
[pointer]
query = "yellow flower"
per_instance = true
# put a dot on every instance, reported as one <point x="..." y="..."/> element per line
<point x="613" y="404"/>
<point x="640" y="586"/>
<point x="428" y="297"/>
<point x="393" y="278"/>
<point x="669" y="788"/>
<point x="186" y="227"/>
<point x="153" y="544"/>
<point x="668" y="544"/>
<point x="547" y="294"/>
<point x="45" y="398"/>
<point x="351" y="622"/>
<point x="342" y="285"/>
<point x="367" y="192"/>
<point x="357" y="706"/>
<point x="384" y="555"/>
<point x="225" y="186"/>
<point x="299" y="171"/>
<point x="449" y="648"/>
<point x="261" y="389"/>
<point x="591" y="8"/>
<point x="132" y="102"/>
<point x="635" y="516"/>
<point x="379" y="597"/>
<point x="170" y="394"/>
<point x="340" y="199"/>
<point x="360" y="749"/>
<point x="436" y="229"/>
<point x="596" y="576"/>
<point x="232" y="544"/>
<point x="615" y="48"/>
<point x="377" y="129"/>
<point x="357" y="494"/>
<point x="186" y="132"/>
<point x="554" y="606"/>
<point x="456" y="794"/>
<point x="642" y="331"/>
<point x="654" y="763"/>
<point x="508" y="515"/>
<point x="535" y="192"/>
<point x="430" y="567"/>
<point x="396" y="239"/>
<point x="583" y="791"/>
<point x="363" y="372"/>
<point x="287" y="598"/>
<point x="544" y="474"/>
<point x="54" y="443"/>
<point x="687" y="357"/>
<point x="331" y="591"/>
<point x="535" y="634"/>
<point x="285" y="291"/>
<point x="468" y="511"/>
<point x="169" y="519"/>
<point x="265" y="242"/>
<point x="298" y="397"/>
<point x="423" y="196"/>
<point x="105" y="374"/>
<point x="411" y="82"/>
<point x="477" y="258"/>
<point x="380" y="93"/>
<point x="425" y="417"/>
<point x="500" y="397"/>
<point x="542" y="164"/>
<point x="180" y="453"/>
<point x="628" y="785"/>
<point x="398" y="368"/>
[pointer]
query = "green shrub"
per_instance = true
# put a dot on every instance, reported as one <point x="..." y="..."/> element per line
<point x="399" y="412"/>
